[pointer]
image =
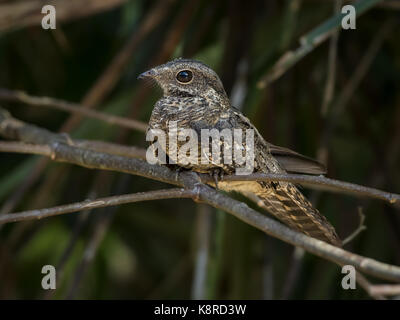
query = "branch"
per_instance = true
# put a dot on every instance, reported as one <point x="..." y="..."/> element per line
<point x="56" y="152"/>
<point x="97" y="203"/>
<point x="21" y="147"/>
<point x="63" y="152"/>
<point x="12" y="128"/>
<point x="316" y="182"/>
<point x="361" y="227"/>
<point x="384" y="290"/>
<point x="22" y="97"/>
<point x="113" y="148"/>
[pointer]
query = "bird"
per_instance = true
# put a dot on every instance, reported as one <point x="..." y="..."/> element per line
<point x="193" y="97"/>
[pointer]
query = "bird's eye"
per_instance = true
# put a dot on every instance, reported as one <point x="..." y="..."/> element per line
<point x="184" y="76"/>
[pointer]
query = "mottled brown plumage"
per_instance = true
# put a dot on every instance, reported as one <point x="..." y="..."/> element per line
<point x="194" y="96"/>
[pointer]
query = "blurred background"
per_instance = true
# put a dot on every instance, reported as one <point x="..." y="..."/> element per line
<point x="340" y="103"/>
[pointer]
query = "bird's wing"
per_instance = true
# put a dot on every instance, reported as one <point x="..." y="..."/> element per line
<point x="295" y="162"/>
<point x="290" y="160"/>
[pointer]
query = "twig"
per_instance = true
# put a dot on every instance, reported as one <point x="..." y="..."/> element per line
<point x="113" y="148"/>
<point x="19" y="96"/>
<point x="384" y="289"/>
<point x="96" y="203"/>
<point x="21" y="147"/>
<point x="190" y="180"/>
<point x="316" y="182"/>
<point x="95" y="145"/>
<point x="361" y="227"/>
<point x="366" y="285"/>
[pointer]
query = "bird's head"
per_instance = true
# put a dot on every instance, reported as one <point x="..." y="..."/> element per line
<point x="185" y="78"/>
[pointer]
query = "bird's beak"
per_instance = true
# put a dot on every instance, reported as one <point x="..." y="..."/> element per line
<point x="147" y="74"/>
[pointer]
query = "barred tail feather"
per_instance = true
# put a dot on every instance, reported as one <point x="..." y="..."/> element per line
<point x="289" y="205"/>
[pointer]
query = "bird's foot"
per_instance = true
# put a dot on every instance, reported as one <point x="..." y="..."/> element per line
<point x="218" y="175"/>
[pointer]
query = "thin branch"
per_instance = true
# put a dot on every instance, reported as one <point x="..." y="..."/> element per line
<point x="95" y="145"/>
<point x="316" y="182"/>
<point x="366" y="285"/>
<point x="361" y="227"/>
<point x="21" y="147"/>
<point x="113" y="148"/>
<point x="22" y="97"/>
<point x="96" y="203"/>
<point x="201" y="192"/>
<point x="384" y="289"/>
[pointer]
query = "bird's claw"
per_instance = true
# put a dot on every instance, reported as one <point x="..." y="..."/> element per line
<point x="218" y="175"/>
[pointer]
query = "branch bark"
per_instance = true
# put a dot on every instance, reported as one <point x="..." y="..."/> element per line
<point x="96" y="203"/>
<point x="22" y="97"/>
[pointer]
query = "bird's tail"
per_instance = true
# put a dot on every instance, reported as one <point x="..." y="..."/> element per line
<point x="288" y="204"/>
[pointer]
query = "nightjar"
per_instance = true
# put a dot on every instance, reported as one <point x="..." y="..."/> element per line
<point x="194" y="98"/>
